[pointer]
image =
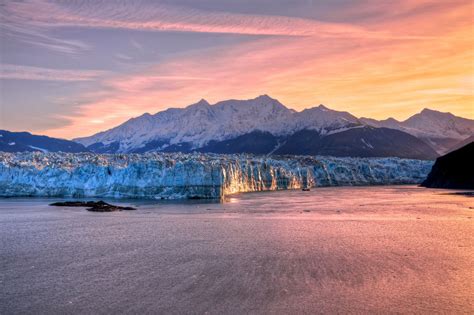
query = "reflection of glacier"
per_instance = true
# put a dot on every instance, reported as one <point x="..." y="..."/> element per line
<point x="176" y="175"/>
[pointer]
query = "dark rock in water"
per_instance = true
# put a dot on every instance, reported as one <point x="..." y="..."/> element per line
<point x="96" y="206"/>
<point x="453" y="170"/>
<point x="464" y="193"/>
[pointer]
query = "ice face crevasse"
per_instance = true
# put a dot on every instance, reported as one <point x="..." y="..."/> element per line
<point x="177" y="175"/>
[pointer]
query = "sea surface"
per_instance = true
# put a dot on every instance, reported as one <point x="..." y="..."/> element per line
<point x="393" y="249"/>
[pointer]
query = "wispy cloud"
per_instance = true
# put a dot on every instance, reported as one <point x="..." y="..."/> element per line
<point x="30" y="21"/>
<point x="21" y="28"/>
<point x="18" y="72"/>
<point x="153" y="16"/>
<point x="368" y="76"/>
<point x="137" y="45"/>
<point x="123" y="56"/>
<point x="392" y="61"/>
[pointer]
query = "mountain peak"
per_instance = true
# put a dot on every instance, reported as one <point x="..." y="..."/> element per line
<point x="264" y="97"/>
<point x="200" y="123"/>
<point x="429" y="118"/>
<point x="202" y="102"/>
<point x="431" y="112"/>
<point x="427" y="111"/>
<point x="390" y="120"/>
<point x="266" y="101"/>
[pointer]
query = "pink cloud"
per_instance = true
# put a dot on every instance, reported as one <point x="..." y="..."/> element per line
<point x="153" y="16"/>
<point x="376" y="76"/>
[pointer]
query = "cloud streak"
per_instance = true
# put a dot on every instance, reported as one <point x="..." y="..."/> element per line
<point x="392" y="59"/>
<point x="18" y="72"/>
<point x="19" y="27"/>
<point x="153" y="16"/>
<point x="368" y="76"/>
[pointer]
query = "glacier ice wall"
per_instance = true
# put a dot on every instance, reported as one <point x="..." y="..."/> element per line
<point x="177" y="175"/>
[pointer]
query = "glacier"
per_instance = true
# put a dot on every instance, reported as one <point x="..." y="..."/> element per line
<point x="180" y="176"/>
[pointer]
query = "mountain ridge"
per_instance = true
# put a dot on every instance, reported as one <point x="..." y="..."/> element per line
<point x="197" y="125"/>
<point x="25" y="141"/>
<point x="440" y="130"/>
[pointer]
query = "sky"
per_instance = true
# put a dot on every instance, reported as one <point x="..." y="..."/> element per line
<point x="73" y="68"/>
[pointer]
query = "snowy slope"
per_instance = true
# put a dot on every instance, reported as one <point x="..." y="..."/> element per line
<point x="196" y="126"/>
<point x="324" y="120"/>
<point x="438" y="125"/>
<point x="160" y="175"/>
<point x="200" y="123"/>
<point x="440" y="130"/>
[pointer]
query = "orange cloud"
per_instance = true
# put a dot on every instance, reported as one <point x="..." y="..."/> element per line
<point x="430" y="64"/>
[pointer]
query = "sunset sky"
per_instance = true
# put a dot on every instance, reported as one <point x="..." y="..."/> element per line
<point x="73" y="68"/>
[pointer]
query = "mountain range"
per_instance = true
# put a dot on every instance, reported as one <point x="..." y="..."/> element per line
<point x="26" y="142"/>
<point x="442" y="131"/>
<point x="263" y="125"/>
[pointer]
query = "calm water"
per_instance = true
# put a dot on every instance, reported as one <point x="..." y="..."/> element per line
<point x="332" y="250"/>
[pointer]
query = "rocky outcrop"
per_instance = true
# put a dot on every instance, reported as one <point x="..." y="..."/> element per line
<point x="453" y="170"/>
<point x="94" y="206"/>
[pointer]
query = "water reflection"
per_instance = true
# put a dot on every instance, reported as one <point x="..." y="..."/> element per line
<point x="330" y="250"/>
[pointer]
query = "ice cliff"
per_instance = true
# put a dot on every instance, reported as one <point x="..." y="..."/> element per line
<point x="176" y="175"/>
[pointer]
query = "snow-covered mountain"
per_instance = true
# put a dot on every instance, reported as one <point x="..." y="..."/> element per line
<point x="442" y="131"/>
<point x="264" y="125"/>
<point x="201" y="123"/>
<point x="197" y="124"/>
